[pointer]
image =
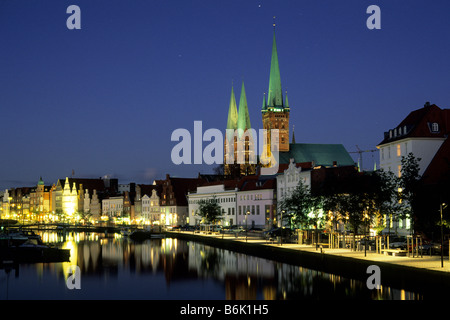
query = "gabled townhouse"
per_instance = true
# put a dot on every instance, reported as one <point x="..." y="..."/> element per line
<point x="173" y="199"/>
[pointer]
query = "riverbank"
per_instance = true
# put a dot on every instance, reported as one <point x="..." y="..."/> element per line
<point x="405" y="272"/>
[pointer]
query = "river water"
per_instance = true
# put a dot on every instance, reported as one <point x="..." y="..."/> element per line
<point x="113" y="267"/>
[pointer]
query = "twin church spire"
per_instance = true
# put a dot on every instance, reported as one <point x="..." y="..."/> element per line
<point x="275" y="109"/>
<point x="238" y="120"/>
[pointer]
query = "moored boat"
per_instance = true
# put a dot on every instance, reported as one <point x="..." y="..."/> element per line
<point x="27" y="247"/>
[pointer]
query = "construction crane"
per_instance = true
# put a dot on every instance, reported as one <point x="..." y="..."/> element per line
<point x="360" y="154"/>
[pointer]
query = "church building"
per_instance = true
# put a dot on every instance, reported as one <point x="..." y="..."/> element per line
<point x="275" y="119"/>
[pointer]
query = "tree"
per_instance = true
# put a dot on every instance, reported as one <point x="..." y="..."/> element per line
<point x="61" y="215"/>
<point x="410" y="187"/>
<point x="303" y="208"/>
<point x="85" y="216"/>
<point x="356" y="199"/>
<point x="296" y="206"/>
<point x="210" y="210"/>
<point x="388" y="199"/>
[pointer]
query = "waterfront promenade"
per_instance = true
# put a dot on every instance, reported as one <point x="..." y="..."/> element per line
<point x="408" y="273"/>
<point x="427" y="262"/>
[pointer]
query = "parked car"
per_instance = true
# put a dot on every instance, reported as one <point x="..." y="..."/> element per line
<point x="255" y="229"/>
<point x="370" y="242"/>
<point x="437" y="248"/>
<point x="233" y="229"/>
<point x="427" y="248"/>
<point x="286" y="233"/>
<point x="397" y="243"/>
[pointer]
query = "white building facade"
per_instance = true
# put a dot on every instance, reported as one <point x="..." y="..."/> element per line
<point x="256" y="208"/>
<point x="290" y="178"/>
<point x="112" y="207"/>
<point x="225" y="198"/>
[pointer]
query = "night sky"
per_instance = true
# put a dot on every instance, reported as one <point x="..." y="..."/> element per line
<point x="104" y="100"/>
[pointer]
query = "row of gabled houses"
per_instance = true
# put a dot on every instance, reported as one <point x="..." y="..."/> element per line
<point x="249" y="200"/>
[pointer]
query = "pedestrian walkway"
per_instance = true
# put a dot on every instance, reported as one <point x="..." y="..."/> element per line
<point x="423" y="262"/>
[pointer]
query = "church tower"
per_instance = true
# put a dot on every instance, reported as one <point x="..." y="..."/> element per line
<point x="275" y="111"/>
<point x="230" y="152"/>
<point x="240" y="153"/>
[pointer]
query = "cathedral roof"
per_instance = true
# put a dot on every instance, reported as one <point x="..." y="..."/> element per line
<point x="321" y="154"/>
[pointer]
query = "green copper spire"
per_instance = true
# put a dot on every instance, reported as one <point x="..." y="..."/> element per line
<point x="264" y="105"/>
<point x="286" y="102"/>
<point x="243" y="115"/>
<point x="232" y="115"/>
<point x="275" y="95"/>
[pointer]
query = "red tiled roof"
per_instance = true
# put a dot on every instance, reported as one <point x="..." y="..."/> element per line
<point x="418" y="123"/>
<point x="438" y="171"/>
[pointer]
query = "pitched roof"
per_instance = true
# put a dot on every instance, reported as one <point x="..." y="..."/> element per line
<point x="321" y="154"/>
<point x="147" y="189"/>
<point x="90" y="184"/>
<point x="418" y="124"/>
<point x="257" y="183"/>
<point x="180" y="187"/>
<point x="438" y="171"/>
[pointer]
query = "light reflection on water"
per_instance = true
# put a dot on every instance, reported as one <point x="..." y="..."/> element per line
<point x="113" y="267"/>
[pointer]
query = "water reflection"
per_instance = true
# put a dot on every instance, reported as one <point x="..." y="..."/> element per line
<point x="115" y="267"/>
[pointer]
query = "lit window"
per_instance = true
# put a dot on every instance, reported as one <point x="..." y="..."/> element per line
<point x="399" y="150"/>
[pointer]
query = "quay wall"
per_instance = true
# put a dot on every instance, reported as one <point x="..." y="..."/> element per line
<point x="393" y="275"/>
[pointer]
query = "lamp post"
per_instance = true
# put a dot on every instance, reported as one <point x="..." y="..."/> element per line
<point x="281" y="226"/>
<point x="442" y="236"/>
<point x="246" y="224"/>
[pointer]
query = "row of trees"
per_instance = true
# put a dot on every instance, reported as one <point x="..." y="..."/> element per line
<point x="358" y="200"/>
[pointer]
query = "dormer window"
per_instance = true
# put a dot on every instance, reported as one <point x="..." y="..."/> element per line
<point x="434" y="127"/>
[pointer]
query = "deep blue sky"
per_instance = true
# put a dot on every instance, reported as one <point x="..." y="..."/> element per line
<point x="105" y="99"/>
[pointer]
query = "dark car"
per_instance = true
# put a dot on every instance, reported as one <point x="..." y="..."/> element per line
<point x="397" y="243"/>
<point x="286" y="233"/>
<point x="255" y="229"/>
<point x="436" y="248"/>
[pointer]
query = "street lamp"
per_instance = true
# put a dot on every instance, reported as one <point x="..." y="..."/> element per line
<point x="281" y="231"/>
<point x="443" y="206"/>
<point x="246" y="224"/>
